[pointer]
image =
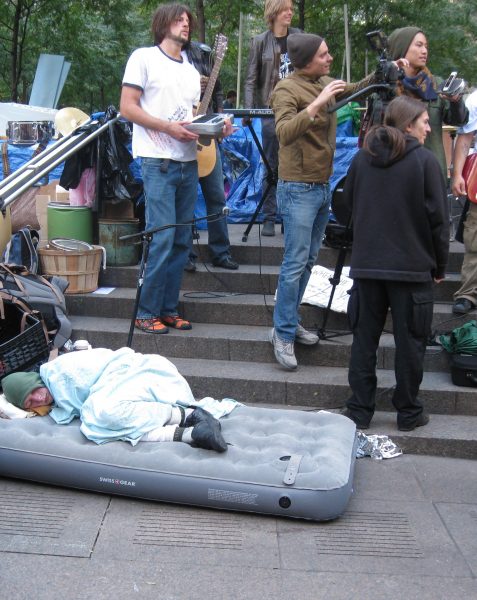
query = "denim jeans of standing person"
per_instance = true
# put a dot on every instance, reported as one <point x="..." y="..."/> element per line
<point x="305" y="209"/>
<point x="270" y="149"/>
<point x="170" y="198"/>
<point x="212" y="187"/>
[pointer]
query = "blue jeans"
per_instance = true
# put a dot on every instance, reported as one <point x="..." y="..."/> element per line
<point x="170" y="198"/>
<point x="213" y="189"/>
<point x="304" y="208"/>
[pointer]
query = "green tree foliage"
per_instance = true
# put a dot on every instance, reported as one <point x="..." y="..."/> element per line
<point x="97" y="36"/>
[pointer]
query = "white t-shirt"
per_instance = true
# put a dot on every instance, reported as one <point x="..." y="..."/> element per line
<point x="471" y="125"/>
<point x="170" y="89"/>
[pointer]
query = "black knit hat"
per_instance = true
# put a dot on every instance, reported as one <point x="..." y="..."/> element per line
<point x="302" y="48"/>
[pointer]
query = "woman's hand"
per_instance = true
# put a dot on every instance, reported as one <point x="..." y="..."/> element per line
<point x="401" y="63"/>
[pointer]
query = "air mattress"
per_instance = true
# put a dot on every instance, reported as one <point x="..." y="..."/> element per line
<point x="281" y="462"/>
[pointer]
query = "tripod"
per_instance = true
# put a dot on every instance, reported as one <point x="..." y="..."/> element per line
<point x="261" y="113"/>
<point x="146" y="237"/>
<point x="344" y="236"/>
<point x="271" y="181"/>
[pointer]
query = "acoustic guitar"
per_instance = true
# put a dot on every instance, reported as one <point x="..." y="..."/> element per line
<point x="206" y="154"/>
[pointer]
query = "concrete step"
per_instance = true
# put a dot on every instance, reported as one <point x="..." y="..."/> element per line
<point x="236" y="308"/>
<point x="249" y="279"/>
<point x="269" y="250"/>
<point x="238" y="343"/>
<point x="221" y="361"/>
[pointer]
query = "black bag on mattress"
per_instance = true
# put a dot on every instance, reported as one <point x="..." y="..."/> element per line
<point x="463" y="369"/>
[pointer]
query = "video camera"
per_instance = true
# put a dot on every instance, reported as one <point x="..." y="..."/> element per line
<point x="386" y="72"/>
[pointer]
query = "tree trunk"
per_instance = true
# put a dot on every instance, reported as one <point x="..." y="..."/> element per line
<point x="200" y="20"/>
<point x="301" y="14"/>
<point x="19" y="29"/>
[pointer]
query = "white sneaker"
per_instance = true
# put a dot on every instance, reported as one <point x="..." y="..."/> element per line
<point x="284" y="351"/>
<point x="303" y="336"/>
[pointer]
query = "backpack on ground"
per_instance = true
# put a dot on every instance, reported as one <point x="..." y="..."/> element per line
<point x="42" y="294"/>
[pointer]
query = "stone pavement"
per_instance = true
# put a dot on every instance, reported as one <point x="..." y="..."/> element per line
<point x="410" y="531"/>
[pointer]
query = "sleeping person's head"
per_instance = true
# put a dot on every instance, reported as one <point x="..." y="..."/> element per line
<point x="28" y="392"/>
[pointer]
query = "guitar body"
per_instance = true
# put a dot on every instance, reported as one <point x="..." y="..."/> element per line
<point x="206" y="158"/>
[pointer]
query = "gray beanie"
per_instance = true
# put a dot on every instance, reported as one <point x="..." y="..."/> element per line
<point x="302" y="48"/>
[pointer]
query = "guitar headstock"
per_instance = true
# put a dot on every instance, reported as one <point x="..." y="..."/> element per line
<point x="220" y="46"/>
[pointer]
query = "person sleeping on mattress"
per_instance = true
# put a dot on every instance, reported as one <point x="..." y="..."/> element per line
<point x="120" y="395"/>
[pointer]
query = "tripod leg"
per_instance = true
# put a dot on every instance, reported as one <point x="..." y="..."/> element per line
<point x="270" y="178"/>
<point x="344" y="247"/>
<point x="146" y="240"/>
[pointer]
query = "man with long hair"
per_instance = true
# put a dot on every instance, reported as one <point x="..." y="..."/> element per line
<point x="160" y="89"/>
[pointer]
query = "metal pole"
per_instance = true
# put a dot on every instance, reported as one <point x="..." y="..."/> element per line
<point x="239" y="66"/>
<point x="46" y="164"/>
<point x="347" y="44"/>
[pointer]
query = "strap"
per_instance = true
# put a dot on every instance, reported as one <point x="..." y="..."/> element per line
<point x="5" y="161"/>
<point x="292" y="469"/>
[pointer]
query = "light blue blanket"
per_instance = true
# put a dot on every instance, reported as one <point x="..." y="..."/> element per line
<point x="119" y="395"/>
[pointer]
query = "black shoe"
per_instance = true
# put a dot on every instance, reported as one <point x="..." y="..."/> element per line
<point x="207" y="435"/>
<point x="422" y="419"/>
<point x="268" y="228"/>
<point x="359" y="424"/>
<point x="462" y="306"/>
<point x="226" y="263"/>
<point x="190" y="266"/>
<point x="199" y="415"/>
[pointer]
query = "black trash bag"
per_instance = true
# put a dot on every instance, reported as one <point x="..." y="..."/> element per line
<point x="117" y="183"/>
<point x="75" y="165"/>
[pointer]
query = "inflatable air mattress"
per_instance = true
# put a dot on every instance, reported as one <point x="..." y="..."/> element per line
<point x="281" y="462"/>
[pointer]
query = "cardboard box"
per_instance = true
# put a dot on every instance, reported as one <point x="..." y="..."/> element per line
<point x="49" y="190"/>
<point x="62" y="195"/>
<point x="42" y="201"/>
<point x="117" y="210"/>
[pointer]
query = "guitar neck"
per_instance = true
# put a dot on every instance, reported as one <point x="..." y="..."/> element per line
<point x="209" y="90"/>
<point x="219" y="48"/>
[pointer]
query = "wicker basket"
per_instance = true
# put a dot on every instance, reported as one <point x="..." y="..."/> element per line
<point x="79" y="267"/>
<point x="24" y="351"/>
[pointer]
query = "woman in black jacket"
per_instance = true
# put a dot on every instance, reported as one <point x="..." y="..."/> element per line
<point x="396" y="194"/>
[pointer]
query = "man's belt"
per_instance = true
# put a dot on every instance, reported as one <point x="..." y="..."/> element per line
<point x="251" y="112"/>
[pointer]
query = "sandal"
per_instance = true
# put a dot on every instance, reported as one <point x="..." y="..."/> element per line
<point x="153" y="325"/>
<point x="176" y="322"/>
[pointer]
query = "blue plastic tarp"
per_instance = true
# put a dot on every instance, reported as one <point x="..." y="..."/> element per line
<point x="19" y="155"/>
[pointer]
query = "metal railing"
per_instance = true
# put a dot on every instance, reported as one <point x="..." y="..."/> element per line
<point x="39" y="166"/>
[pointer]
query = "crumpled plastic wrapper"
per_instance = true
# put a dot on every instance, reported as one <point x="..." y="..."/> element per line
<point x="377" y="447"/>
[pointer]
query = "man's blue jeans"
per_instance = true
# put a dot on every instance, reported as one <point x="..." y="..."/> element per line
<point x="212" y="187"/>
<point x="304" y="208"/>
<point x="170" y="198"/>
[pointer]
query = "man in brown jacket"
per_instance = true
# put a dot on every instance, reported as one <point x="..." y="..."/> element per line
<point x="307" y="136"/>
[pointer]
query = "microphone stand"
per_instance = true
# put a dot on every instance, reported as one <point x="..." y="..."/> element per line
<point x="146" y="237"/>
